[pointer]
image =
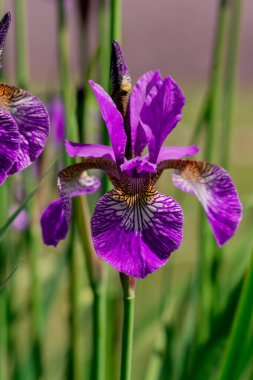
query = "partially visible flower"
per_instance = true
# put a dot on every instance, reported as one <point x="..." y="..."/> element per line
<point x="134" y="227"/>
<point x="22" y="221"/>
<point x="24" y="122"/>
<point x="57" y="118"/>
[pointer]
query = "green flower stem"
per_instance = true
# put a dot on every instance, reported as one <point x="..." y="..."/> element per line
<point x="36" y="304"/>
<point x="3" y="292"/>
<point x="128" y="287"/>
<point x="104" y="52"/>
<point x="116" y="20"/>
<point x="2" y="8"/>
<point x="240" y="329"/>
<point x="82" y="219"/>
<point x="104" y="49"/>
<point x="21" y="43"/>
<point x="66" y="88"/>
<point x="75" y="359"/>
<point x="3" y="336"/>
<point x="99" y="331"/>
<point x="229" y="85"/>
<point x="97" y="282"/>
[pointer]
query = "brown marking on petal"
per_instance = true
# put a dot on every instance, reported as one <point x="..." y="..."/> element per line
<point x="92" y="163"/>
<point x="7" y="93"/>
<point x="190" y="170"/>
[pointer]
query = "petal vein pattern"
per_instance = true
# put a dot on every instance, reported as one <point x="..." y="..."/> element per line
<point x="9" y="143"/>
<point x="217" y="193"/>
<point x="135" y="228"/>
<point x="74" y="181"/>
<point x="32" y="121"/>
<point x="160" y="114"/>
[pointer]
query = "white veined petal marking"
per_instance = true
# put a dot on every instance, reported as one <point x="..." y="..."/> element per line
<point x="135" y="204"/>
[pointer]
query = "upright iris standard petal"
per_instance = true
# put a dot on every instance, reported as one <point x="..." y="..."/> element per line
<point x="9" y="143"/>
<point x="53" y="223"/>
<point x="137" y="99"/>
<point x="32" y="121"/>
<point x="217" y="193"/>
<point x="176" y="152"/>
<point x="135" y="229"/>
<point x="160" y="114"/>
<point x="89" y="150"/>
<point x="4" y="27"/>
<point x="113" y="120"/>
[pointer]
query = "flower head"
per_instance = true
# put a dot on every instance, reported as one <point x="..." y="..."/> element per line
<point x="134" y="227"/>
<point x="24" y="123"/>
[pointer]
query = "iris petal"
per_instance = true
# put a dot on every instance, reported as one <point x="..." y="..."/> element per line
<point x="89" y="150"/>
<point x="53" y="223"/>
<point x="175" y="152"/>
<point x="55" y="220"/>
<point x="32" y="121"/>
<point x="160" y="114"/>
<point x="113" y="120"/>
<point x="217" y="193"/>
<point x="9" y="143"/>
<point x="135" y="230"/>
<point x="74" y="181"/>
<point x="137" y="98"/>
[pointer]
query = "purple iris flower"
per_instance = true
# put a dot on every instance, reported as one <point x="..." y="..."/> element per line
<point x="134" y="227"/>
<point x="24" y="122"/>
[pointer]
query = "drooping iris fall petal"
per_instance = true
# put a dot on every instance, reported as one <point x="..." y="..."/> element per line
<point x="217" y="193"/>
<point x="215" y="190"/>
<point x="135" y="230"/>
<point x="9" y="143"/>
<point x="24" y="123"/>
<point x="32" y="121"/>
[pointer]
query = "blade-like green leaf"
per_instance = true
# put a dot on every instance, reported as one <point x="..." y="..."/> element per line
<point x="240" y="328"/>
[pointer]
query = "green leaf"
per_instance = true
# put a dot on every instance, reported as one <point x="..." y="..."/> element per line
<point x="240" y="329"/>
